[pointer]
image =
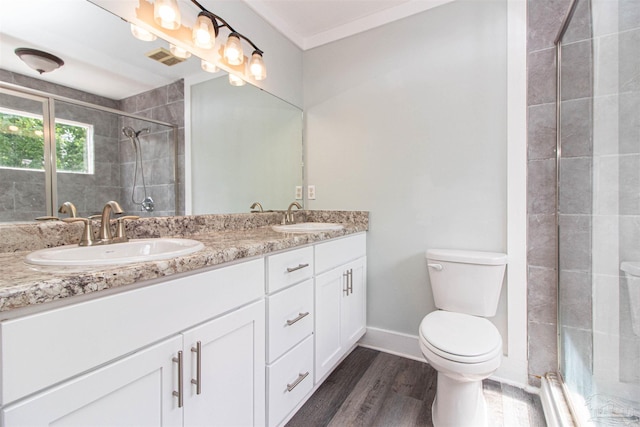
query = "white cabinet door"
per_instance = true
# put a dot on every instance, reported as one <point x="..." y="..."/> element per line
<point x="329" y="289"/>
<point x="135" y="391"/>
<point x="340" y="313"/>
<point x="232" y="374"/>
<point x="354" y="303"/>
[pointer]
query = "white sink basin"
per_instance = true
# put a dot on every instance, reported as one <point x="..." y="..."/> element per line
<point x="118" y="253"/>
<point x="308" y="227"/>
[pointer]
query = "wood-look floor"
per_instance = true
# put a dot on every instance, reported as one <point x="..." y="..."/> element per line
<point x="371" y="388"/>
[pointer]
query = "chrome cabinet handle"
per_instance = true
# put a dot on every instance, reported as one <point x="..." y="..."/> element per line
<point x="300" y="317"/>
<point x="179" y="394"/>
<point x="198" y="381"/>
<point x="350" y="280"/>
<point x="293" y="385"/>
<point x="299" y="267"/>
<point x="345" y="289"/>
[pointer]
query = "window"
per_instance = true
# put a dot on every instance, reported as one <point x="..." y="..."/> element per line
<point x="22" y="143"/>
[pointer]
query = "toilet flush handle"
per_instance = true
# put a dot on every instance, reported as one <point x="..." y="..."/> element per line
<point x="437" y="267"/>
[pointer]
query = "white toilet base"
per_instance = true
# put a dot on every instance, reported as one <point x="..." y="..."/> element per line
<point x="458" y="403"/>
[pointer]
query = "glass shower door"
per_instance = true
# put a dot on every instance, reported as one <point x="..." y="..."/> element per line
<point x="599" y="211"/>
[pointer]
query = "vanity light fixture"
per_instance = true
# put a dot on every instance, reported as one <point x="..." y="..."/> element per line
<point x="179" y="52"/>
<point x="209" y="67"/>
<point x="142" y="34"/>
<point x="38" y="60"/>
<point x="167" y="14"/>
<point x="203" y="36"/>
<point x="235" y="80"/>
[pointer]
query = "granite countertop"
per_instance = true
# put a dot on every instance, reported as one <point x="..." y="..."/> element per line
<point x="24" y="285"/>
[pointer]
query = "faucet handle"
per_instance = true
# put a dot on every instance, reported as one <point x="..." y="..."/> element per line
<point x="87" y="233"/>
<point x="68" y="208"/>
<point x="120" y="232"/>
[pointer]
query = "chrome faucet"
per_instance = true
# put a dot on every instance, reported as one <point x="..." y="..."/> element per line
<point x="288" y="217"/>
<point x="69" y="209"/>
<point x="105" y="226"/>
<point x="256" y="205"/>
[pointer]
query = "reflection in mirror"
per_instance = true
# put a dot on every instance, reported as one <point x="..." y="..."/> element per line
<point x="246" y="147"/>
<point x="93" y="158"/>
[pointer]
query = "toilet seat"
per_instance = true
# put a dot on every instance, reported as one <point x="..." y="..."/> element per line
<point x="460" y="337"/>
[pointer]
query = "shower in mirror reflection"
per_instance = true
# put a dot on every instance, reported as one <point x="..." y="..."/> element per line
<point x="147" y="204"/>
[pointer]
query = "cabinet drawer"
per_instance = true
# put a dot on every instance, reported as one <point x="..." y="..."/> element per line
<point x="290" y="318"/>
<point x="289" y="267"/>
<point x="290" y="380"/>
<point x="45" y="348"/>
<point x="336" y="252"/>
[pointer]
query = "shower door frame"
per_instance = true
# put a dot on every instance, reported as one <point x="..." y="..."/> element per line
<point x="48" y="100"/>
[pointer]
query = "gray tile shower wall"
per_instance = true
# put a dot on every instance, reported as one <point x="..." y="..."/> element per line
<point x="544" y="18"/>
<point x="600" y="214"/>
<point x="165" y="103"/>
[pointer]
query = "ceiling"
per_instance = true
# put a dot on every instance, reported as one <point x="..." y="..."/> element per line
<point x="312" y="23"/>
<point x="101" y="56"/>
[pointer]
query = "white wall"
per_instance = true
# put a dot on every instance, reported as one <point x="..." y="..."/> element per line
<point x="409" y="122"/>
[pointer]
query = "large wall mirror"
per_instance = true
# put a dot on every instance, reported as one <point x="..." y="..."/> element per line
<point x="246" y="147"/>
<point x="103" y="61"/>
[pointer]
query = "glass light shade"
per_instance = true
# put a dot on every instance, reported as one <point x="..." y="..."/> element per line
<point x="142" y="34"/>
<point x="209" y="67"/>
<point x="167" y="14"/>
<point x="204" y="35"/>
<point x="256" y="66"/>
<point x="179" y="52"/>
<point x="233" y="50"/>
<point x="235" y="80"/>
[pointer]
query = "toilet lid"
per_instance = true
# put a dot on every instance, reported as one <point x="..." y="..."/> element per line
<point x="462" y="335"/>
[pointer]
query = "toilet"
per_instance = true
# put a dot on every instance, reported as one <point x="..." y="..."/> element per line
<point x="457" y="340"/>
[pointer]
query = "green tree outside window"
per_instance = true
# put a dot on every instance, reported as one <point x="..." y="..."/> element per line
<point x="22" y="144"/>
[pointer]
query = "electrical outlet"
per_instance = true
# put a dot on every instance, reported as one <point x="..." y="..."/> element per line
<point x="311" y="192"/>
<point x="298" y="192"/>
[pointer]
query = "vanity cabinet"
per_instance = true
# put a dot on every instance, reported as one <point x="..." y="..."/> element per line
<point x="240" y="345"/>
<point x="290" y="331"/>
<point x="340" y="300"/>
<point x="130" y="355"/>
<point x="134" y="391"/>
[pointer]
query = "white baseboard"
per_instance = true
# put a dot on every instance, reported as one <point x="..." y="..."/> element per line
<point x="396" y="343"/>
<point x="405" y="345"/>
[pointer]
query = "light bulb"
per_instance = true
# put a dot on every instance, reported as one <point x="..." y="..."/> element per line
<point x="209" y="67"/>
<point x="233" y="50"/>
<point x="235" y="80"/>
<point x="256" y="66"/>
<point x="167" y="14"/>
<point x="142" y="34"/>
<point x="179" y="52"/>
<point x="203" y="33"/>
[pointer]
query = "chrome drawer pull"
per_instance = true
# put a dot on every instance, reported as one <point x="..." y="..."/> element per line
<point x="179" y="394"/>
<point x="301" y="377"/>
<point x="198" y="381"/>
<point x="300" y="317"/>
<point x="299" y="267"/>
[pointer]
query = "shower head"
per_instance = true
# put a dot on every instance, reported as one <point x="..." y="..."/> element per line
<point x="130" y="132"/>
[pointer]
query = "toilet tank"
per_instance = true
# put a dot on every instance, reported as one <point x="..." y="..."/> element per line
<point x="466" y="281"/>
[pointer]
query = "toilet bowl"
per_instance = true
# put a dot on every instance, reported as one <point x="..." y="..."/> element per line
<point x="456" y="340"/>
<point x="464" y="349"/>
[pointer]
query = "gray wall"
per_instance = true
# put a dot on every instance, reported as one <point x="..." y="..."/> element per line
<point x="408" y="121"/>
